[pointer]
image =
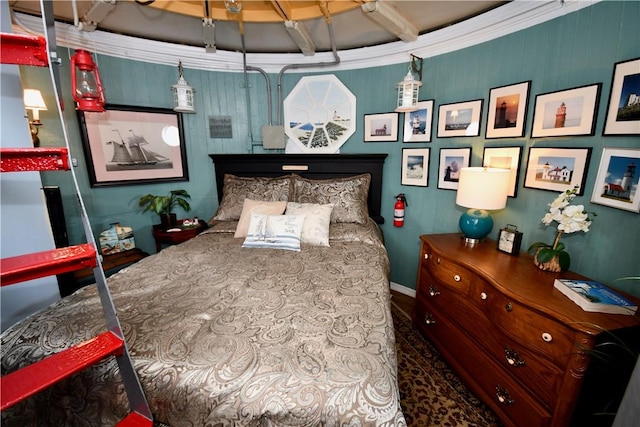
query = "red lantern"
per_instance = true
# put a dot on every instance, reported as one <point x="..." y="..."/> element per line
<point x="85" y="83"/>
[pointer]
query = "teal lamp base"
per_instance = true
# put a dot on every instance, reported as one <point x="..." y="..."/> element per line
<point x="475" y="225"/>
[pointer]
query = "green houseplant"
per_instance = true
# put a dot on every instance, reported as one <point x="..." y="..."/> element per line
<point x="164" y="205"/>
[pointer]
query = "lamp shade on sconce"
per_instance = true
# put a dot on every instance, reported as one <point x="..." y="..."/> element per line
<point x="481" y="190"/>
<point x="33" y="101"/>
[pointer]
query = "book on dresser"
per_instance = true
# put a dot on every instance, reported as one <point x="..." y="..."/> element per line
<point x="594" y="296"/>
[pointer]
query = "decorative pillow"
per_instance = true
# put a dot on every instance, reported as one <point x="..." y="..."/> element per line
<point x="348" y="195"/>
<point x="259" y="207"/>
<point x="275" y="232"/>
<point x="236" y="188"/>
<point x="315" y="230"/>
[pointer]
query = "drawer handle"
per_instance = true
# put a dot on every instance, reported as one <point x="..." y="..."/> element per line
<point x="513" y="358"/>
<point x="484" y="296"/>
<point x="438" y="261"/>
<point x="509" y="307"/>
<point x="426" y="256"/>
<point x="503" y="396"/>
<point x="546" y="337"/>
<point x="428" y="319"/>
<point x="457" y="278"/>
<point x="433" y="291"/>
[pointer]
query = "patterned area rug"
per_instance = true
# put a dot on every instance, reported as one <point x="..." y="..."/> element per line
<point x="430" y="392"/>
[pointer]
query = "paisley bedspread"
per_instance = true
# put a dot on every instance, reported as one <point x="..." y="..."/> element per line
<point x="222" y="335"/>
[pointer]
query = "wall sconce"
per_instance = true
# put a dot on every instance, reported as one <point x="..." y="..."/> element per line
<point x="33" y="101"/>
<point x="85" y="83"/>
<point x="409" y="88"/>
<point x="480" y="189"/>
<point x="182" y="94"/>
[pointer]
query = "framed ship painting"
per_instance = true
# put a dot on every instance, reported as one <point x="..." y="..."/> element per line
<point x="127" y="145"/>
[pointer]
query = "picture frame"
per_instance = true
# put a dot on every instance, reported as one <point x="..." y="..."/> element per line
<point x="381" y="127"/>
<point x="126" y="145"/>
<point x="459" y="119"/>
<point x="566" y="112"/>
<point x="507" y="112"/>
<point x="616" y="184"/>
<point x="451" y="161"/>
<point x="417" y="124"/>
<point x="620" y="119"/>
<point x="505" y="158"/>
<point x="557" y="169"/>
<point x="415" y="167"/>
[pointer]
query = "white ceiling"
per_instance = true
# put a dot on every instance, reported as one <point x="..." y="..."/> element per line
<point x="352" y="29"/>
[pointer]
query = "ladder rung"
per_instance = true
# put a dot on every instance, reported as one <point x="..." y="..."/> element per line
<point x="33" y="159"/>
<point x="134" y="419"/>
<point x="22" y="49"/>
<point x="31" y="379"/>
<point x="47" y="263"/>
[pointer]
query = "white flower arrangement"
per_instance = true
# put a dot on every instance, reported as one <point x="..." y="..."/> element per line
<point x="570" y="219"/>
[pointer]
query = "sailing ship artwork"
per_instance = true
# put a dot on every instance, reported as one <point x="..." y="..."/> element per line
<point x="135" y="153"/>
<point x="127" y="145"/>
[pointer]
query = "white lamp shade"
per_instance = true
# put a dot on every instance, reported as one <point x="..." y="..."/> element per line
<point x="483" y="188"/>
<point x="33" y="100"/>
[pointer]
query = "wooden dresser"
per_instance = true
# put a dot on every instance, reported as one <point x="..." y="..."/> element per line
<point x="517" y="342"/>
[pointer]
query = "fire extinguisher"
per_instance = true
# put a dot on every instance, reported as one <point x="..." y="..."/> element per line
<point x="398" y="210"/>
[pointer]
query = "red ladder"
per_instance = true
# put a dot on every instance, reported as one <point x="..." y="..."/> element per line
<point x="25" y="382"/>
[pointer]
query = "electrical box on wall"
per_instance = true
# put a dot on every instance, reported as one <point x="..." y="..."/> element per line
<point x="273" y="137"/>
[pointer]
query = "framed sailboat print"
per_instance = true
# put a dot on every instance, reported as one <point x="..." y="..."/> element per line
<point x="127" y="145"/>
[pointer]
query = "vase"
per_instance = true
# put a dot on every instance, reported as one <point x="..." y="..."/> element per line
<point x="168" y="220"/>
<point x="554" y="263"/>
<point x="551" y="265"/>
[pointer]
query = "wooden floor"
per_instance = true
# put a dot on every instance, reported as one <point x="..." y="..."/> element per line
<point x="405" y="302"/>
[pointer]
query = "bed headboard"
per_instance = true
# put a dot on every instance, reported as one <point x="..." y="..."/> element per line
<point x="312" y="166"/>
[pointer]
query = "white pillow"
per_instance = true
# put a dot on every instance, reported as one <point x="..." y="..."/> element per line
<point x="274" y="231"/>
<point x="315" y="230"/>
<point x="250" y="206"/>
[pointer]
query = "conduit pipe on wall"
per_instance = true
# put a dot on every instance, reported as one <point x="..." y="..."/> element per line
<point x="296" y="66"/>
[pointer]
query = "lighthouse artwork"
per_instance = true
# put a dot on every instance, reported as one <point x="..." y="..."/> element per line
<point x="618" y="178"/>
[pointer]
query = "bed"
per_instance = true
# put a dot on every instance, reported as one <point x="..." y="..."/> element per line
<point x="233" y="329"/>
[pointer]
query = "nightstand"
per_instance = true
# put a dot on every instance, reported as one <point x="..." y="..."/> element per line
<point x="111" y="264"/>
<point x="162" y="236"/>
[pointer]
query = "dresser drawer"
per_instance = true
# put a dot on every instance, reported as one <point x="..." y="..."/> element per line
<point x="493" y="384"/>
<point x="535" y="373"/>
<point x="446" y="272"/>
<point x="524" y="325"/>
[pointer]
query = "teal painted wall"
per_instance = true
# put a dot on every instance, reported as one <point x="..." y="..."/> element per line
<point x="574" y="50"/>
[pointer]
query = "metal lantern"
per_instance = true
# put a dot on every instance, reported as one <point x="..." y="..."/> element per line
<point x="408" y="91"/>
<point x="182" y="95"/>
<point x="85" y="83"/>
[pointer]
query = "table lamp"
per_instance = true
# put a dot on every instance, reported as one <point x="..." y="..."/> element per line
<point x="480" y="189"/>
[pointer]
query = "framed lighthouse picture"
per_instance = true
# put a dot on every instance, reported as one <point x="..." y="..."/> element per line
<point x="566" y="112"/>
<point x="127" y="145"/>
<point x="618" y="177"/>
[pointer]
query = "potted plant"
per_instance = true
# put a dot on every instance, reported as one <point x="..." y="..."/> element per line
<point x="164" y="205"/>
<point x="570" y="219"/>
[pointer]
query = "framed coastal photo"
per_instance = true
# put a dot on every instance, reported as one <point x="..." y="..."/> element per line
<point x="451" y="161"/>
<point x="417" y="124"/>
<point x="127" y="145"/>
<point x="381" y="127"/>
<point x="618" y="177"/>
<point x="505" y="158"/>
<point x="507" y="111"/>
<point x="415" y="167"/>
<point x="566" y="112"/>
<point x="557" y="169"/>
<point x="460" y="119"/>
<point x="623" y="113"/>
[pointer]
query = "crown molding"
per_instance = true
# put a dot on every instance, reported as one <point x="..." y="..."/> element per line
<point x="512" y="17"/>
